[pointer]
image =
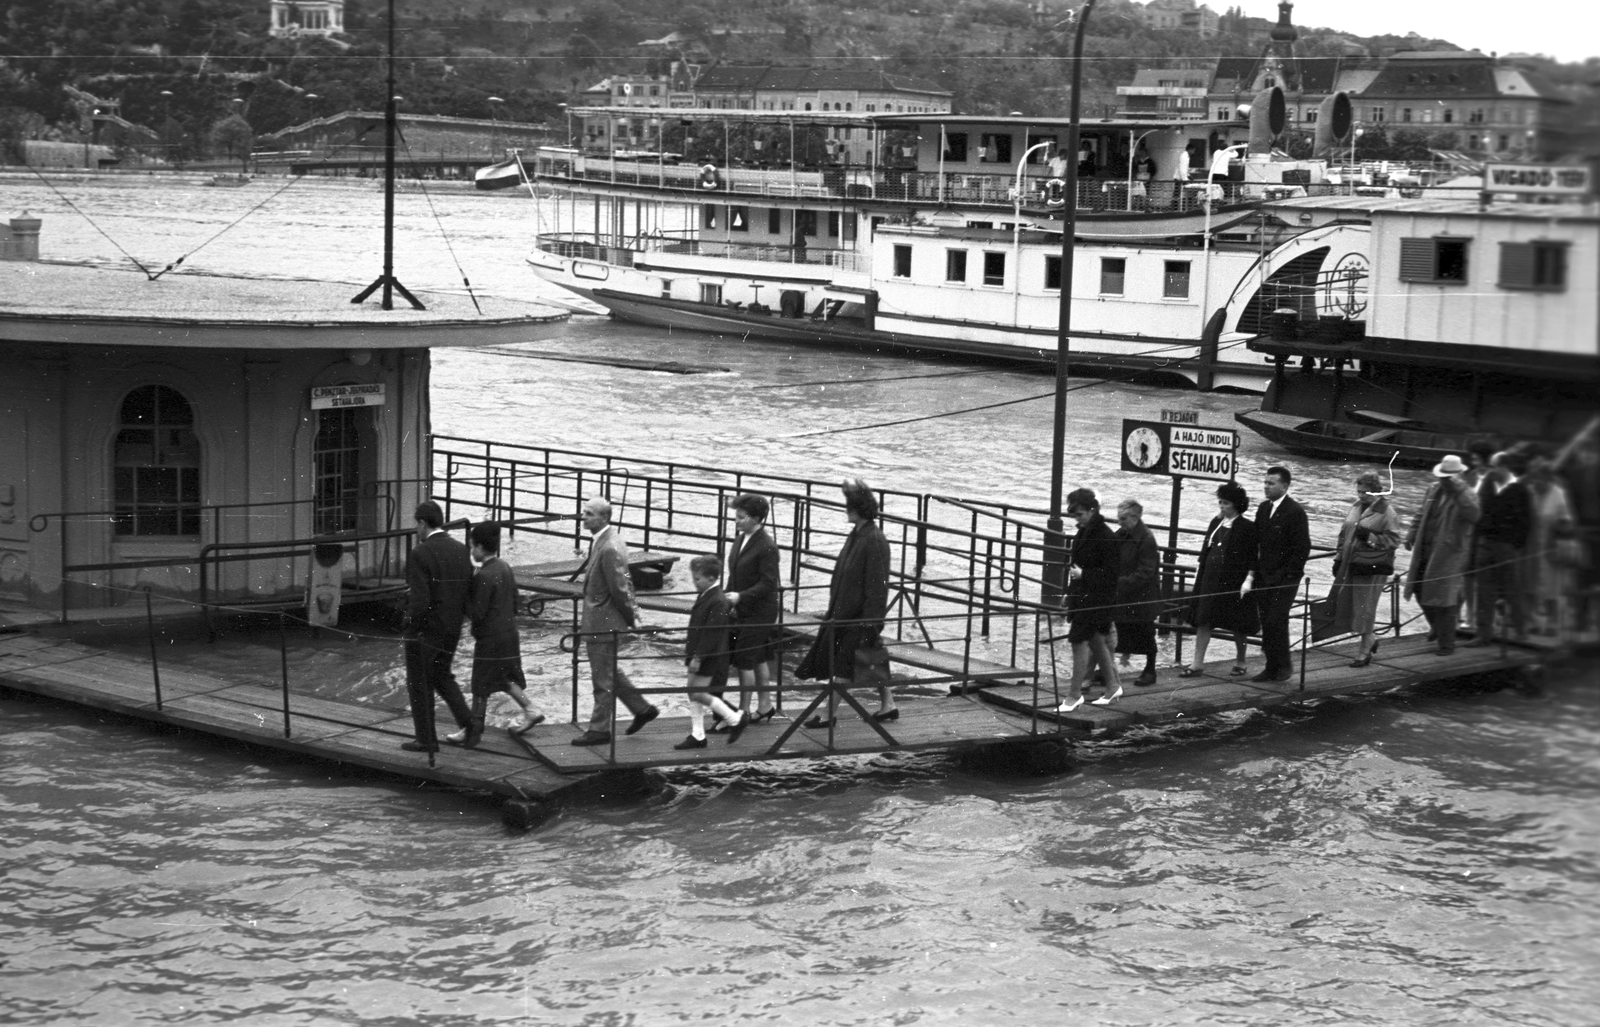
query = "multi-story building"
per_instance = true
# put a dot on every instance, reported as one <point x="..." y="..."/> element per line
<point x="292" y="18"/>
<point x="1490" y="106"/>
<point x="1167" y="93"/>
<point x="1180" y="16"/>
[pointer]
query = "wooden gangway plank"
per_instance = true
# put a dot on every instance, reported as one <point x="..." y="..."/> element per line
<point x="1403" y="661"/>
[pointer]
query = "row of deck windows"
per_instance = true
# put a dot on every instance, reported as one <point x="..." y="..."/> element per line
<point x="1113" y="271"/>
<point x="1539" y="266"/>
<point x="806" y="221"/>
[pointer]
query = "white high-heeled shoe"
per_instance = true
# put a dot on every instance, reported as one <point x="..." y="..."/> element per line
<point x="1068" y="707"/>
<point x="1106" y="700"/>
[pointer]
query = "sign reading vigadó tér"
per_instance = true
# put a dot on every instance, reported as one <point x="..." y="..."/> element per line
<point x="1185" y="451"/>
<point x="333" y="397"/>
<point x="1538" y="179"/>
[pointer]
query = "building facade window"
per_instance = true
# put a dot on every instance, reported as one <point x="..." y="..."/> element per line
<point x="156" y="472"/>
<point x="1405" y="114"/>
<point x="738" y="219"/>
<point x="994" y="149"/>
<point x="708" y="216"/>
<point x="774" y="221"/>
<point x="1539" y="266"/>
<point x="806" y="220"/>
<point x="1175" y="280"/>
<point x="711" y="293"/>
<point x="1436" y="261"/>
<point x="955" y="265"/>
<point x="1113" y="275"/>
<point x="1052" y="272"/>
<point x="994" y="268"/>
<point x="337" y="471"/>
<point x="902" y="261"/>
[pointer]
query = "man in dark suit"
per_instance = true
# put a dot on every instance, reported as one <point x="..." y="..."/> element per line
<point x="1283" y="545"/>
<point x="438" y="576"/>
<point x="608" y="606"/>
<point x="1504" y="522"/>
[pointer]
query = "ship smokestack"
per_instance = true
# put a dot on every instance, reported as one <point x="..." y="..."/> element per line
<point x="1268" y="116"/>
<point x="1334" y="119"/>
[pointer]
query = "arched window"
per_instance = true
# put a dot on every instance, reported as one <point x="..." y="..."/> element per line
<point x="156" y="488"/>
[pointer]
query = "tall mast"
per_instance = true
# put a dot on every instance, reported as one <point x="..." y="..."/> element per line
<point x="387" y="280"/>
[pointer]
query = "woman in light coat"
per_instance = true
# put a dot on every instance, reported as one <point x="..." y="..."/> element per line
<point x="1367" y="540"/>
<point x="1440" y="541"/>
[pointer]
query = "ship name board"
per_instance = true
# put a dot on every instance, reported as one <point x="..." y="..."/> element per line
<point x="1545" y="179"/>
<point x="332" y="397"/>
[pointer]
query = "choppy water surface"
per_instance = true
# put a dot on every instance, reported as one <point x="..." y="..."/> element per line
<point x="1421" y="859"/>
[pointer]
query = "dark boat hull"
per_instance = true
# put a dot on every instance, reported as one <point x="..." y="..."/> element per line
<point x="1343" y="440"/>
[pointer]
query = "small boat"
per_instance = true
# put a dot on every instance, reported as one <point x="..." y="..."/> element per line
<point x="1369" y="435"/>
<point x="505" y="175"/>
<point x="229" y="181"/>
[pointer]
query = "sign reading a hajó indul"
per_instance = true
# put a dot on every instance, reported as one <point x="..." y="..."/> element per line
<point x="1184" y="451"/>
<point x="332" y="397"/>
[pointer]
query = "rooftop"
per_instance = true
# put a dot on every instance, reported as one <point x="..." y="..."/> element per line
<point x="78" y="303"/>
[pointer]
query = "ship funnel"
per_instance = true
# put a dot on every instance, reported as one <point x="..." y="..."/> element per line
<point x="1334" y="119"/>
<point x="1267" y="119"/>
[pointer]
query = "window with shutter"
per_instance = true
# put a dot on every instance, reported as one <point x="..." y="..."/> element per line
<point x="1539" y="266"/>
<point x="1516" y="265"/>
<point x="1417" y="260"/>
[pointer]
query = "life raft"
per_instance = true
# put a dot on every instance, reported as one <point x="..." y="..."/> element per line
<point x="709" y="179"/>
<point x="1055" y="193"/>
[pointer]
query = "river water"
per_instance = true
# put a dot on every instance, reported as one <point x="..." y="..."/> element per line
<point x="1425" y="858"/>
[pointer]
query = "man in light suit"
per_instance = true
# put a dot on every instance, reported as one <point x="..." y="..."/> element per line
<point x="608" y="605"/>
<point x="1283" y="544"/>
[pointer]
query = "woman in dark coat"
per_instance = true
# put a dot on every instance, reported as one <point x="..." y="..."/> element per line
<point x="753" y="591"/>
<point x="1138" y="588"/>
<point x="858" y="601"/>
<point x="1220" y="602"/>
<point x="1091" y="596"/>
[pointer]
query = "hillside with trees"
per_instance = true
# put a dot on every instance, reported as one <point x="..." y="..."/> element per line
<point x="184" y="67"/>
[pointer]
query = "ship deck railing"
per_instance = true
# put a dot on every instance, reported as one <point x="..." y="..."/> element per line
<point x="607" y="249"/>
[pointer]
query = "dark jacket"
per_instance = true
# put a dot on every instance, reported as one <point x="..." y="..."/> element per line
<point x="1138" y="575"/>
<point x="753" y="573"/>
<point x="438" y="577"/>
<point x="1228" y="609"/>
<point x="859" y="590"/>
<point x="1506" y="517"/>
<point x="1095" y="552"/>
<point x="706" y="650"/>
<point x="492" y="605"/>
<point x="1284" y="543"/>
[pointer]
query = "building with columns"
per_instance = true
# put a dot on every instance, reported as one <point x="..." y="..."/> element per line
<point x="291" y="18"/>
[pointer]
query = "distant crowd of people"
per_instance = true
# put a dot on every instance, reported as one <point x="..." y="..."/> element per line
<point x="1495" y="536"/>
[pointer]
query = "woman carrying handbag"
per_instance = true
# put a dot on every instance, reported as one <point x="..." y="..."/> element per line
<point x="1368" y="539"/>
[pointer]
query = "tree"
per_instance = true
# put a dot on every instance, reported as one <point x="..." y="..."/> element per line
<point x="234" y="135"/>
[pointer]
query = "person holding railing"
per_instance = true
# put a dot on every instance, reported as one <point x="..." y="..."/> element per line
<point x="438" y="577"/>
<point x="858" y="602"/>
<point x="1368" y="539"/>
<point x="1221" y="595"/>
<point x="1091" y="596"/>
<point x="1440" y="541"/>
<point x="608" y="607"/>
<point x="753" y="593"/>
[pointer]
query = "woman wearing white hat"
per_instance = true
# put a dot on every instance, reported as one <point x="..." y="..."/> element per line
<point x="1441" y="544"/>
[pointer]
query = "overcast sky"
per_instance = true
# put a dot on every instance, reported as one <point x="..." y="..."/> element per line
<point x="1568" y="30"/>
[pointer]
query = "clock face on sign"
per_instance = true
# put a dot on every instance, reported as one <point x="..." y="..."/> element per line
<point x="1143" y="448"/>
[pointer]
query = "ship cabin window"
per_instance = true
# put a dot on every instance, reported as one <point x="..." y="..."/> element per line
<point x="738" y="219"/>
<point x="156" y="488"/>
<point x="994" y="268"/>
<point x="902" y="261"/>
<point x="708" y="216"/>
<point x="833" y="224"/>
<point x="1041" y="156"/>
<point x="955" y="265"/>
<point x="337" y="470"/>
<point x="806" y="221"/>
<point x="955" y="147"/>
<point x="994" y="149"/>
<point x="1052" y="273"/>
<point x="849" y="228"/>
<point x="1113" y="275"/>
<point x="774" y="221"/>
<point x="711" y="293"/>
<point x="1436" y="261"/>
<point x="1175" y="280"/>
<point x="1539" y="266"/>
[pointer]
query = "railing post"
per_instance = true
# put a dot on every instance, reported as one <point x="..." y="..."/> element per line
<point x="150" y="626"/>
<point x="611" y="714"/>
<point x="283" y="658"/>
<point x="1305" y="629"/>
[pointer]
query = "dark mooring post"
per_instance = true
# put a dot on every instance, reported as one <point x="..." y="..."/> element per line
<point x="1055" y="542"/>
<point x="387" y="280"/>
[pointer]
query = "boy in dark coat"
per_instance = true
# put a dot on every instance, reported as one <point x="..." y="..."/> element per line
<point x="705" y="655"/>
<point x="497" y="656"/>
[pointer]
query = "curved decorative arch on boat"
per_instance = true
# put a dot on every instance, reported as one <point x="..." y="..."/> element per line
<point x="1299" y="274"/>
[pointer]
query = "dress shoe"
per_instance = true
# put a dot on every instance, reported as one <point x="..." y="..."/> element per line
<point x="1444" y="650"/>
<point x="816" y="723"/>
<point x="1264" y="676"/>
<point x="1364" y="661"/>
<point x="642" y="719"/>
<point x="1107" y="700"/>
<point x="1068" y="707"/>
<point x="1147" y="678"/>
<point x="592" y="738"/>
<point x="764" y="716"/>
<point x="1282" y="676"/>
<point x="415" y="746"/>
<point x="737" y="727"/>
<point x="883" y="715"/>
<point x="455" y="737"/>
<point x="691" y="743"/>
<point x="529" y="722"/>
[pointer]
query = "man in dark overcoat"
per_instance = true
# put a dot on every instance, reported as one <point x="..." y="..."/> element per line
<point x="438" y="577"/>
<point x="1283" y="539"/>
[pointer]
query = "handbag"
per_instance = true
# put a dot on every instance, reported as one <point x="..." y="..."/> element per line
<point x="872" y="664"/>
<point x="1370" y="561"/>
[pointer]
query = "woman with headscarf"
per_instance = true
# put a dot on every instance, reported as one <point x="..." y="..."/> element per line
<point x="1368" y="539"/>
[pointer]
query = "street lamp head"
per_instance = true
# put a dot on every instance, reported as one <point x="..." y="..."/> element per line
<point x="495" y="99"/>
<point x="312" y="96"/>
<point x="166" y="92"/>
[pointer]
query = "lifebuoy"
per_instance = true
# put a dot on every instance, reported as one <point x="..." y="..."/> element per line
<point x="708" y="176"/>
<point x="1055" y="193"/>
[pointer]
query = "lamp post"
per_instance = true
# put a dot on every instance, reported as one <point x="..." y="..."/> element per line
<point x="565" y="109"/>
<point x="166" y="122"/>
<point x="1355" y="136"/>
<point x="494" y="126"/>
<point x="1055" y="551"/>
<point x="1016" y="230"/>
